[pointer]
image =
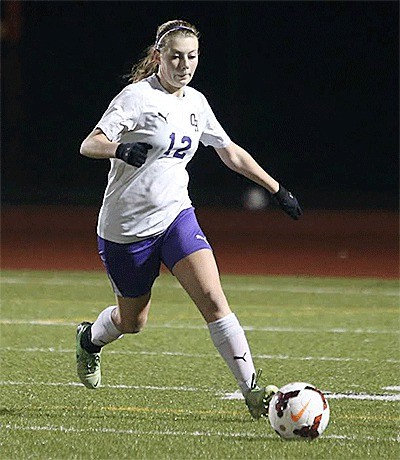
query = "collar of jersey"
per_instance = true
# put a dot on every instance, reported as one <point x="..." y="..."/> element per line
<point x="161" y="87"/>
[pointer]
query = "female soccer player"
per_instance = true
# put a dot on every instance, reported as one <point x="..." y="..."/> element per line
<point x="150" y="132"/>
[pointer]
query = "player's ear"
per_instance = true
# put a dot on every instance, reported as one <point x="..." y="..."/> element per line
<point x="156" y="56"/>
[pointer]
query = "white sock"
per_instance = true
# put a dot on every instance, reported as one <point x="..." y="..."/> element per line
<point x="104" y="330"/>
<point x="230" y="340"/>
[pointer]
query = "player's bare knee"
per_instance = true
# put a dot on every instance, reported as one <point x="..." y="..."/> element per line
<point x="213" y="308"/>
<point x="215" y="300"/>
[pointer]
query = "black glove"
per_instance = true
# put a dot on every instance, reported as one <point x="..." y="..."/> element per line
<point x="134" y="153"/>
<point x="288" y="203"/>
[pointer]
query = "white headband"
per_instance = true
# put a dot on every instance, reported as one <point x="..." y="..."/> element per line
<point x="158" y="40"/>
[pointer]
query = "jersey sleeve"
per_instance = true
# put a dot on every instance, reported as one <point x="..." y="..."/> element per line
<point x="213" y="133"/>
<point x="122" y="114"/>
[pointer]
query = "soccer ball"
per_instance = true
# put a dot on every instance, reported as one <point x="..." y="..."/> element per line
<point x="299" y="410"/>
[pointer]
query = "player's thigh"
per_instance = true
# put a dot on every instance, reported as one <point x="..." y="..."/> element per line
<point x="132" y="268"/>
<point x="182" y="238"/>
<point x="199" y="276"/>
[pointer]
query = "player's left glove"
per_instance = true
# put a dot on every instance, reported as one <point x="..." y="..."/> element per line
<point x="288" y="202"/>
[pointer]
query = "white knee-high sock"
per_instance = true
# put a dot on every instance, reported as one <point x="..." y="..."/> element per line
<point x="230" y="340"/>
<point x="104" y="330"/>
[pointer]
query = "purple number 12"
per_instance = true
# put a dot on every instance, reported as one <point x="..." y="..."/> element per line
<point x="181" y="152"/>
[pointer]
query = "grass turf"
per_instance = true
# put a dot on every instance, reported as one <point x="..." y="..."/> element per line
<point x="165" y="390"/>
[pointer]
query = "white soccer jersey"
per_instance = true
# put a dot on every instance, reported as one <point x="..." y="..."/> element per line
<point x="143" y="202"/>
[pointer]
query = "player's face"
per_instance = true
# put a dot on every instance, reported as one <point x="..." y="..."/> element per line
<point x="177" y="62"/>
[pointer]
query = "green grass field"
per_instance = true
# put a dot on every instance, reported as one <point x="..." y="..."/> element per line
<point x="165" y="391"/>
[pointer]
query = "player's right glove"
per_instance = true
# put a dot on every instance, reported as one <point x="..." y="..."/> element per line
<point x="135" y="153"/>
<point x="288" y="202"/>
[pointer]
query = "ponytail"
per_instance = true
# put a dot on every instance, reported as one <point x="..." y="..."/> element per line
<point x="145" y="67"/>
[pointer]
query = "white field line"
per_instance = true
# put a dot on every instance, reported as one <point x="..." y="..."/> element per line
<point x="223" y="395"/>
<point x="316" y="290"/>
<point x="63" y="429"/>
<point x="386" y="292"/>
<point x="197" y="355"/>
<point x="356" y="396"/>
<point x="112" y="387"/>
<point x="61" y="322"/>
<point x="392" y="388"/>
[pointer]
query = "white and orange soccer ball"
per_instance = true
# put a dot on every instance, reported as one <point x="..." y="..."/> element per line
<point x="299" y="410"/>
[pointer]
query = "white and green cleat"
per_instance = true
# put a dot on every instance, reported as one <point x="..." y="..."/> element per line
<point x="87" y="364"/>
<point x="258" y="399"/>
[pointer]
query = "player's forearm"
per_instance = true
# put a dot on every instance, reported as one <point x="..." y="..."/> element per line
<point x="262" y="178"/>
<point x="96" y="145"/>
<point x="253" y="171"/>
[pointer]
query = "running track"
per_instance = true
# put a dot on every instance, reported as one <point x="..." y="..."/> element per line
<point x="321" y="243"/>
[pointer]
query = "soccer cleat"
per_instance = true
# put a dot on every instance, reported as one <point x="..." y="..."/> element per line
<point x="257" y="399"/>
<point x="87" y="364"/>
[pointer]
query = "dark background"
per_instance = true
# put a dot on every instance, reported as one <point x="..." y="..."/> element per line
<point x="310" y="89"/>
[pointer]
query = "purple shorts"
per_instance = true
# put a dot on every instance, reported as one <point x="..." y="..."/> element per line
<point x="133" y="267"/>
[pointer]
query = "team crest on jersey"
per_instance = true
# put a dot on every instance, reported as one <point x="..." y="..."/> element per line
<point x="194" y="121"/>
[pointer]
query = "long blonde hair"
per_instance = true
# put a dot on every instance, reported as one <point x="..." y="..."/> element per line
<point x="147" y="66"/>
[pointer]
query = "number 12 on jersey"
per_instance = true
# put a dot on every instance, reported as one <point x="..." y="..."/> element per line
<point x="181" y="151"/>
